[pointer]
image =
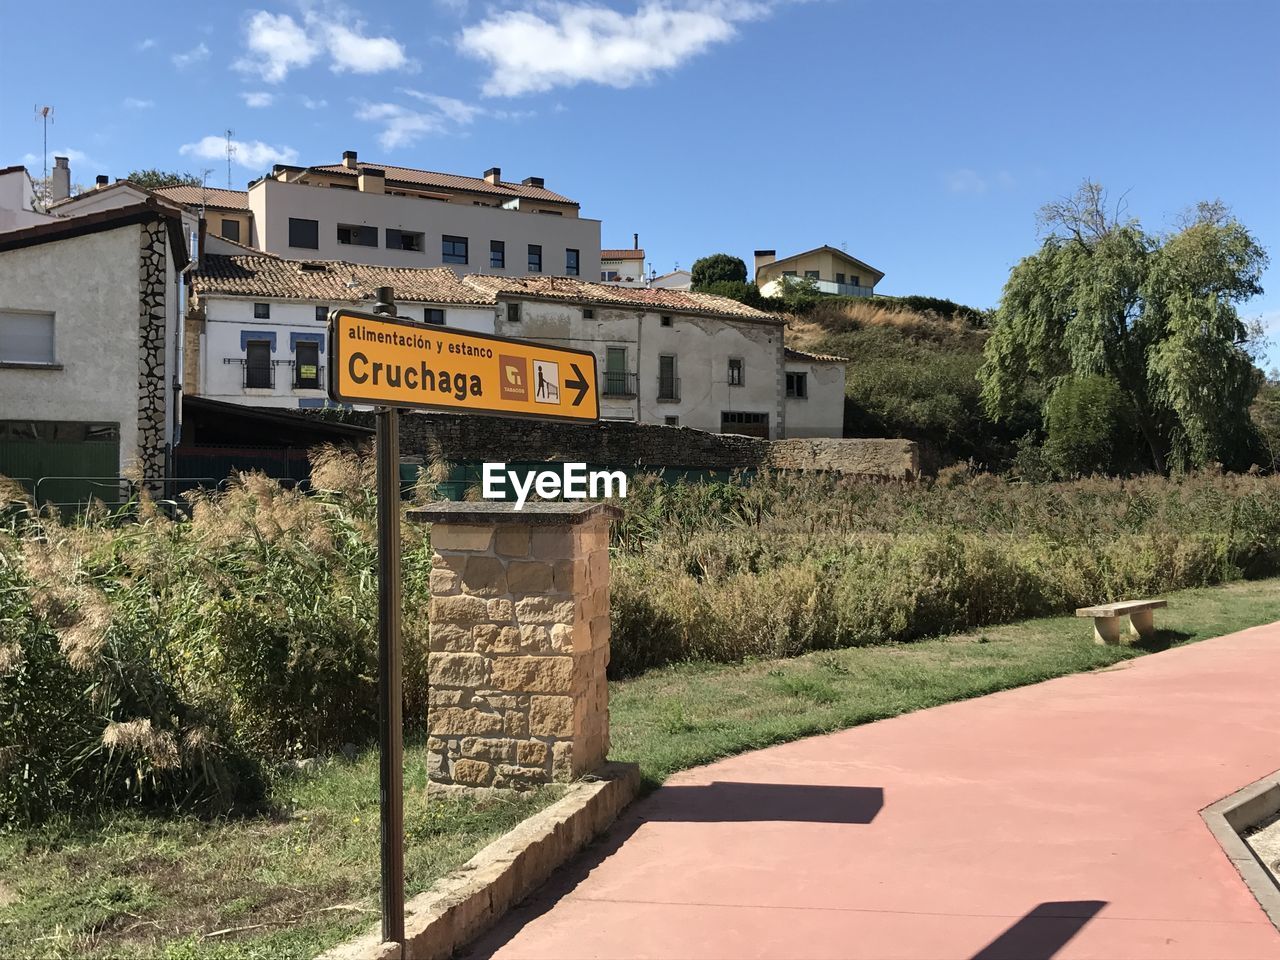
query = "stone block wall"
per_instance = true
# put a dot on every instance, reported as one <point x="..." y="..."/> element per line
<point x="519" y="647"/>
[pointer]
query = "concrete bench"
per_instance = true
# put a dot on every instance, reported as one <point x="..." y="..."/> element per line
<point x="1106" y="618"/>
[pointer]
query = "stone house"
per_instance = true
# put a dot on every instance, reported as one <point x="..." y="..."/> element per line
<point x="90" y="351"/>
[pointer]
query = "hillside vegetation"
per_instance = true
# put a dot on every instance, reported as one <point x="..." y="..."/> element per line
<point x="913" y="372"/>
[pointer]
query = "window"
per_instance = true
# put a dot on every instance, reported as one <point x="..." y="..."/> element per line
<point x="404" y="240"/>
<point x="304" y="233"/>
<point x="231" y="229"/>
<point x="811" y="274"/>
<point x="453" y="249"/>
<point x="513" y="313"/>
<point x="853" y="280"/>
<point x="306" y="365"/>
<point x="839" y="278"/>
<point x="666" y="321"/>
<point x="671" y="421"/>
<point x="617" y="381"/>
<point x="26" y="337"/>
<point x="748" y="424"/>
<point x="571" y="263"/>
<point x="322" y="314"/>
<point x="257" y="365"/>
<point x="497" y="254"/>
<point x="735" y="371"/>
<point x="535" y="258"/>
<point x="668" y="382"/>
<point x="357" y="236"/>
<point x="262" y="311"/>
<point x="788" y="273"/>
<point x="797" y="386"/>
<point x="609" y="276"/>
<point x="434" y="315"/>
<point x="588" y="313"/>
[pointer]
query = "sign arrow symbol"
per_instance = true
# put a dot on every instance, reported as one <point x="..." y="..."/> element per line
<point x="580" y="384"/>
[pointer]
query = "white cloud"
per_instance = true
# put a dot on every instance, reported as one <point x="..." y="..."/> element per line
<point x="354" y="52"/>
<point x="258" y="98"/>
<point x="253" y="154"/>
<point x="277" y="44"/>
<point x="196" y="54"/>
<point x="402" y="126"/>
<point x="145" y="44"/>
<point x="73" y="156"/>
<point x="137" y="103"/>
<point x="565" y="44"/>
<point x="311" y="104"/>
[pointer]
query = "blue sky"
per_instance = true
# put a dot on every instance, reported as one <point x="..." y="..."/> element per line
<point x="921" y="135"/>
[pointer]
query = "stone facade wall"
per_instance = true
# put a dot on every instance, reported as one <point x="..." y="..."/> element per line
<point x="462" y="439"/>
<point x="893" y="459"/>
<point x="152" y="382"/>
<point x="519" y="647"/>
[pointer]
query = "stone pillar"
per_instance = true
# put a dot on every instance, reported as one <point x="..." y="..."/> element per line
<point x="519" y="642"/>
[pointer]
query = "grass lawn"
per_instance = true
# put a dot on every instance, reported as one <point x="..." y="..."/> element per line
<point x="283" y="886"/>
<point x="681" y="716"/>
<point x="293" y="884"/>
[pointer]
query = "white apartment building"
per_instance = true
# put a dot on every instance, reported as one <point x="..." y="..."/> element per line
<point x="404" y="217"/>
<point x="623" y="266"/>
<point x="256" y="335"/>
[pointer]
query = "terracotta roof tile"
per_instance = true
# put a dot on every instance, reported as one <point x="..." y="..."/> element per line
<point x="622" y="254"/>
<point x="262" y="275"/>
<point x="814" y="357"/>
<point x="209" y="196"/>
<point x="453" y="181"/>
<point x="648" y="298"/>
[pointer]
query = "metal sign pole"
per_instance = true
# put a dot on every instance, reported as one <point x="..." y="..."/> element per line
<point x="390" y="720"/>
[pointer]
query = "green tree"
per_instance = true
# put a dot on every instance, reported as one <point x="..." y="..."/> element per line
<point x="1088" y="427"/>
<point x="153" y="179"/>
<point x="800" y="294"/>
<point x="1156" y="314"/>
<point x="715" y="268"/>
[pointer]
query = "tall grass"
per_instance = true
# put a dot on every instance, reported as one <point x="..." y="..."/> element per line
<point x="183" y="663"/>
<point x="780" y="565"/>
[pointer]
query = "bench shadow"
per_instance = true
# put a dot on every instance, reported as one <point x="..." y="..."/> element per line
<point x="1161" y="640"/>
<point x="717" y="802"/>
<point x="1041" y="933"/>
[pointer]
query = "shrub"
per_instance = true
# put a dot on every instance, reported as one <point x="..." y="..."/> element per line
<point x="1089" y="427"/>
<point x="717" y="268"/>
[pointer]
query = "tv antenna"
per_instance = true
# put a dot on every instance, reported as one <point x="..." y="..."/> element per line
<point x="231" y="152"/>
<point x="45" y="114"/>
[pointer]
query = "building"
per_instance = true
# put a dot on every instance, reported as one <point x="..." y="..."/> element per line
<point x="675" y="280"/>
<point x="404" y="217"/>
<point x="814" y="391"/>
<point x="257" y="324"/>
<point x="90" y="347"/>
<point x="256" y="329"/>
<point x="834" y="271"/>
<point x="623" y="266"/>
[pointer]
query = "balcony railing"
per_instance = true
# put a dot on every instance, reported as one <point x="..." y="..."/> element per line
<point x="255" y="376"/>
<point x="314" y="381"/>
<point x="669" y="388"/>
<point x="619" y="383"/>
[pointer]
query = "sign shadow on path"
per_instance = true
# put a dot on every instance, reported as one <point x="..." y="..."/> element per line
<point x="1040" y="934"/>
<point x="717" y="802"/>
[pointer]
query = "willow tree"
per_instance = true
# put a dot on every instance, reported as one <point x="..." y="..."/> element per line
<point x="1156" y="313"/>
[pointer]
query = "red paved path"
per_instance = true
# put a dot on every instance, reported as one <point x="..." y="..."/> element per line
<point x="933" y="834"/>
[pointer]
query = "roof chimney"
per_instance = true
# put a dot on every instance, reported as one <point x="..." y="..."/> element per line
<point x="60" y="180"/>
<point x="533" y="182"/>
<point x="372" y="180"/>
<point x="635" y="239"/>
<point x="764" y="257"/>
<point x="493" y="175"/>
<point x="100" y="181"/>
<point x="349" y="159"/>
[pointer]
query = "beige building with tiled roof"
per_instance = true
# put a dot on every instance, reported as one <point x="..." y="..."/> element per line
<point x="622" y="266"/>
<point x="256" y="334"/>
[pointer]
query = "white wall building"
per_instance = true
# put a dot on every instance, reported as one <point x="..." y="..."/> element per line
<point x="623" y="266"/>
<point x="675" y="280"/>
<point x="89" y="343"/>
<point x="19" y="205"/>
<point x="663" y="356"/>
<point x="814" y="392"/>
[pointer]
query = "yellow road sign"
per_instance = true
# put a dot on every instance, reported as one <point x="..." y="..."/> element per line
<point x="389" y="362"/>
